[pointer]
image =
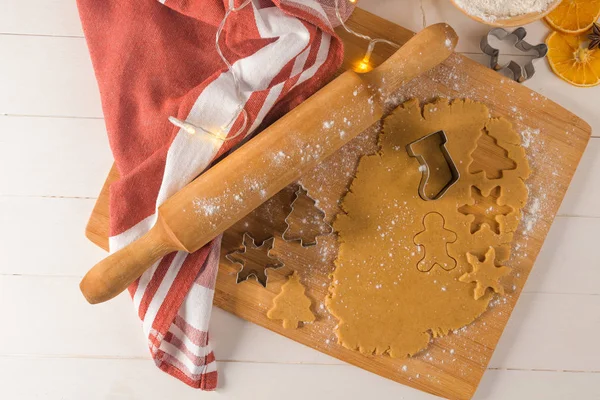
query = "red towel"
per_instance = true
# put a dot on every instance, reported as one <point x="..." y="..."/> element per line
<point x="155" y="59"/>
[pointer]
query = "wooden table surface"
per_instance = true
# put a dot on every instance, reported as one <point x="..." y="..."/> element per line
<point x="54" y="157"/>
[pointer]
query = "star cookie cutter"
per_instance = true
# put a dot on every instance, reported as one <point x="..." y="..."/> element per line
<point x="424" y="167"/>
<point x="259" y="273"/>
<point x="519" y="73"/>
<point x="285" y="235"/>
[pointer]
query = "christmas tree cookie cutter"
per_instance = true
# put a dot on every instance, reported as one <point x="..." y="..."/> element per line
<point x="252" y="261"/>
<point x="513" y="69"/>
<point x="288" y="236"/>
<point x="425" y="170"/>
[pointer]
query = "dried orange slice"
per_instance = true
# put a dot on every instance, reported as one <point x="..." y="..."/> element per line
<point x="570" y="59"/>
<point x="574" y="16"/>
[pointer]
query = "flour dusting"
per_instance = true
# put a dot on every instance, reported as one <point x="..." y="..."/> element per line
<point x="206" y="206"/>
<point x="528" y="135"/>
<point x="492" y="10"/>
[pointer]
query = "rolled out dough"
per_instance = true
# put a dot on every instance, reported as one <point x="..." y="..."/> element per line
<point x="386" y="297"/>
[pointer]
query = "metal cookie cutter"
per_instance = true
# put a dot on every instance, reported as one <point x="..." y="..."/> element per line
<point x="519" y="73"/>
<point x="303" y="193"/>
<point x="258" y="256"/>
<point x="424" y="168"/>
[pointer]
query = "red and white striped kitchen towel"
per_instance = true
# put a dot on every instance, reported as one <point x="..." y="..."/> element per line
<point x="155" y="59"/>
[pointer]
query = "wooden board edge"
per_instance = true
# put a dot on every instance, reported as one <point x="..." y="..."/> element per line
<point x="97" y="230"/>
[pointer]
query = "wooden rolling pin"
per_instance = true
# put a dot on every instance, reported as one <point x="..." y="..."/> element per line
<point x="269" y="162"/>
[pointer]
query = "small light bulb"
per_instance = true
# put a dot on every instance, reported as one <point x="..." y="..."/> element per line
<point x="364" y="64"/>
<point x="353" y="1"/>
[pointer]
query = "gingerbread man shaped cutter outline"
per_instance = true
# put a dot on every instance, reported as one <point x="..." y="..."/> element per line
<point x="424" y="167"/>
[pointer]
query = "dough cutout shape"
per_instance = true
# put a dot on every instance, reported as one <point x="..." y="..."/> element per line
<point x="255" y="260"/>
<point x="485" y="273"/>
<point x="498" y="155"/>
<point x="485" y="209"/>
<point x="434" y="241"/>
<point x="377" y="292"/>
<point x="291" y="304"/>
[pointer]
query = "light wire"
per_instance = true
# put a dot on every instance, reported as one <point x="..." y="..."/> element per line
<point x="372" y="42"/>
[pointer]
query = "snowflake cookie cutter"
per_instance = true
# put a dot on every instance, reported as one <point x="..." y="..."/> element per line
<point x="424" y="167"/>
<point x="285" y="235"/>
<point x="259" y="273"/>
<point x="519" y="73"/>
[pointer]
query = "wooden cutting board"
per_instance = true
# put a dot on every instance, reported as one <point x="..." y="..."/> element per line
<point x="453" y="365"/>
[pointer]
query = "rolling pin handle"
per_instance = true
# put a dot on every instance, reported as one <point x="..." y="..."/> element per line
<point x="116" y="272"/>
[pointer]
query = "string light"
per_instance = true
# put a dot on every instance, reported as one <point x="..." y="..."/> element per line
<point x="364" y="64"/>
<point x="221" y="133"/>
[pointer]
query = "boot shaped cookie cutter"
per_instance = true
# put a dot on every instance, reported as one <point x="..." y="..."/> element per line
<point x="259" y="274"/>
<point x="285" y="236"/>
<point x="424" y="167"/>
<point x="519" y="73"/>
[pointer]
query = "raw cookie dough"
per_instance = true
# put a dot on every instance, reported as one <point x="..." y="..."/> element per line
<point x="291" y="305"/>
<point x="485" y="274"/>
<point x="384" y="302"/>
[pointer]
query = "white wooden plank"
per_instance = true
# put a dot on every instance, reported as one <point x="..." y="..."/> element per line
<point x="59" y="321"/>
<point x="44" y="236"/>
<point x="113" y="379"/>
<point x="567" y="263"/>
<point x="53" y="156"/>
<point x="553" y="332"/>
<point x="47" y="76"/>
<point x="545" y="332"/>
<point x="401" y="13"/>
<point x="544" y="385"/>
<point x="49" y="316"/>
<point x="40" y="17"/>
<point x="69" y="379"/>
<point x="583" y="196"/>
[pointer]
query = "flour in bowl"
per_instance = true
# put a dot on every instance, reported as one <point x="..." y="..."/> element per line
<point x="491" y="10"/>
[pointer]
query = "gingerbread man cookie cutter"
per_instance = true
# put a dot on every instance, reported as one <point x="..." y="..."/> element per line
<point x="425" y="170"/>
<point x="515" y="70"/>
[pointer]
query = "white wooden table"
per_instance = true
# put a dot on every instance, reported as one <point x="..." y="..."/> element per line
<point x="54" y="157"/>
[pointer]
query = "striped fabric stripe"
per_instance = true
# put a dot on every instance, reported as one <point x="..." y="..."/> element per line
<point x="281" y="51"/>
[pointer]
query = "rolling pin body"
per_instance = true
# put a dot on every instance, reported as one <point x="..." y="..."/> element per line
<point x="269" y="162"/>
